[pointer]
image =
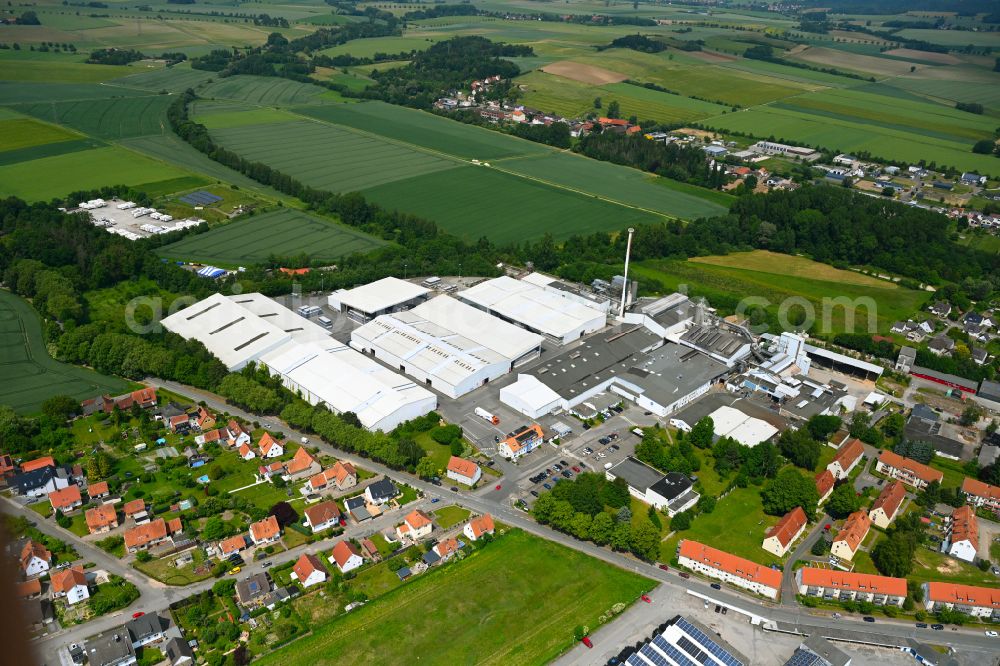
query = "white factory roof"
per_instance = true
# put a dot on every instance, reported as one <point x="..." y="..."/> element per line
<point x="228" y="330"/>
<point x="380" y="295"/>
<point x="478" y="329"/>
<point x="749" y="431"/>
<point x="346" y="380"/>
<point x="529" y="391"/>
<point x="534" y="306"/>
<point x="300" y="328"/>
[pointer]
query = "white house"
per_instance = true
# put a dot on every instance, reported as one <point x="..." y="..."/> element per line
<point x="346" y="556"/>
<point x="963" y="534"/>
<point x="416" y="525"/>
<point x="71" y="584"/>
<point x="848" y="456"/>
<point x="477" y="527"/>
<point x="464" y="471"/>
<point x="35" y="559"/>
<point x="246" y="452"/>
<point x="270" y="447"/>
<point x="729" y="568"/>
<point x="237" y="434"/>
<point x="308" y="570"/>
<point x="265" y="531"/>
<point x="322" y="516"/>
<point x="780" y="537"/>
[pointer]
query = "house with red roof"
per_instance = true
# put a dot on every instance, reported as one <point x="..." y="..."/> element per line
<point x="204" y="419"/>
<point x="851" y="535"/>
<point x="180" y="423"/>
<point x="464" y="471"/>
<point x="415" y="526"/>
<point x="302" y="465"/>
<point x="479" y="526"/>
<point x="98" y="490"/>
<point x="729" y="568"/>
<point x="781" y="536"/>
<point x="246" y="452"/>
<point x="446" y="548"/>
<point x="146" y="536"/>
<point x="848" y="456"/>
<point x="237" y="434"/>
<point x="265" y="531"/>
<point x="102" y="519"/>
<point x="135" y="509"/>
<point x="886" y="507"/>
<point x="66" y="499"/>
<point x="371" y="550"/>
<point x="38" y="463"/>
<point x="912" y="473"/>
<point x="308" y="570"/>
<point x="346" y="556"/>
<point x="836" y="585"/>
<point x="70" y="583"/>
<point x="233" y="544"/>
<point x="322" y="516"/>
<point x="980" y="494"/>
<point x="824" y="485"/>
<point x="963" y="534"/>
<point x="981" y="602"/>
<point x="144" y="397"/>
<point x="270" y="447"/>
<point x="35" y="559"/>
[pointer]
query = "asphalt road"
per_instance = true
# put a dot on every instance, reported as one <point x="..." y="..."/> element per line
<point x="487" y="500"/>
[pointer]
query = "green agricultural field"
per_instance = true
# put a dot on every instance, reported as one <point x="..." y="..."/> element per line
<point x="795" y="267"/>
<point x="49" y="177"/>
<point x="283" y="233"/>
<point x="30" y="374"/>
<point x="266" y="90"/>
<point x="953" y="37"/>
<point x="425" y="130"/>
<point x="726" y="286"/>
<point x="506" y="604"/>
<point x="14" y="92"/>
<point x="58" y="72"/>
<point x="736" y="526"/>
<point x="472" y="202"/>
<point x="367" y="48"/>
<point x="222" y="115"/>
<point x="174" y="79"/>
<point x="954" y="90"/>
<point x="107" y="118"/>
<point x="328" y="157"/>
<point x="718" y="83"/>
<point x="19" y="133"/>
<point x="620" y="184"/>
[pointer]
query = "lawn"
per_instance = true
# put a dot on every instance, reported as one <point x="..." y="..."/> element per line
<point x="163" y="569"/>
<point x="265" y="495"/>
<point x="934" y="566"/>
<point x="736" y="526"/>
<point x="448" y="516"/>
<point x="50" y="177"/>
<point x="30" y="374"/>
<point x="793" y="266"/>
<point x="439" y="453"/>
<point x="505" y="604"/>
<point x="953" y="470"/>
<point x="43" y="508"/>
<point x="285" y="232"/>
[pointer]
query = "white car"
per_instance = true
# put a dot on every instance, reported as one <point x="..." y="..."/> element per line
<point x="992" y="634"/>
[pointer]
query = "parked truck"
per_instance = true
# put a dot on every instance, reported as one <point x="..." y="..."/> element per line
<point x="483" y="414"/>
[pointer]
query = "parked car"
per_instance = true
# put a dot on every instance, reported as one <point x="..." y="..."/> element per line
<point x="604" y="441"/>
<point x="615" y="447"/>
<point x="137" y="614"/>
<point x="576" y="469"/>
<point x="646" y="598"/>
<point x="268" y="564"/>
<point x="991" y="633"/>
<point x="454" y="489"/>
<point x="566" y="473"/>
<point x="665" y="567"/>
<point x="564" y="463"/>
<point x="557" y="467"/>
<point x="235" y="570"/>
<point x="724" y="609"/>
<point x="613" y="436"/>
<point x="684" y="574"/>
<point x="534" y="493"/>
<point x="937" y="627"/>
<point x="718" y="608"/>
<point x="716" y="586"/>
<point x="868" y="618"/>
<point x="546" y="486"/>
<point x="921" y="625"/>
<point x="586" y="641"/>
<point x="498" y="486"/>
<point x="435" y="500"/>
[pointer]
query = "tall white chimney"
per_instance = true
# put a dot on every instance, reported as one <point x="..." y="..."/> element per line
<point x="628" y="255"/>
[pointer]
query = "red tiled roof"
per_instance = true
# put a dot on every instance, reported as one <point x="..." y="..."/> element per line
<point x="144" y="395"/>
<point x="965" y="526"/>
<point x="613" y="121"/>
<point x="322" y="512"/>
<point x="855" y="529"/>
<point x="919" y="470"/>
<point x="417" y="519"/>
<point x="446" y="547"/>
<point x="824" y="482"/>
<point x="65" y="497"/>
<point x="462" y="467"/>
<point x="33" y="549"/>
<point x="306" y="565"/>
<point x="174" y="525"/>
<point x="98" y="488"/>
<point x="244" y="450"/>
<point x="342" y="470"/>
<point x="978" y="488"/>
<point x="38" y="463"/>
<point x="370" y="546"/>
<point x="233" y="544"/>
<point x="294" y="271"/>
<point x="481" y="525"/>
<point x="29" y="588"/>
<point x="343" y="551"/>
<point x="845" y="580"/>
<point x="789" y="525"/>
<point x="890" y="498"/>
<point x="300" y="461"/>
<point x="265" y="529"/>
<point x="145" y="534"/>
<point x="955" y="593"/>
<point x="731" y="564"/>
<point x="65" y="580"/>
<point x="135" y="506"/>
<point x="266" y="442"/>
<point x="101" y="517"/>
<point x="849" y="452"/>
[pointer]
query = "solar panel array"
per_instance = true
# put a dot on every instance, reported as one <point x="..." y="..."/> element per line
<point x="200" y="198"/>
<point x="713" y="648"/>
<point x="804" y="658"/>
<point x="672" y="652"/>
<point x="692" y="649"/>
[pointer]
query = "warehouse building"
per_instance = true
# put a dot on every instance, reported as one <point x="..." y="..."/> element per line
<point x="390" y="294"/>
<point x="633" y="363"/>
<point x="447" y="345"/>
<point x="669" y="315"/>
<point x="253" y="328"/>
<point x="557" y="314"/>
<point x="530" y="397"/>
<point x="747" y="430"/>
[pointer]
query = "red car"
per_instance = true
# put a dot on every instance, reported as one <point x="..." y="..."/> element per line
<point x="576" y="469"/>
<point x="498" y="486"/>
<point x="586" y="641"/>
<point x="665" y="567"/>
<point x="646" y="598"/>
<point x="827" y="527"/>
<point x="137" y="615"/>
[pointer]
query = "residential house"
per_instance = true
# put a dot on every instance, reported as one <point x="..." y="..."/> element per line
<point x="102" y="519"/>
<point x="204" y="420"/>
<point x="135" y="508"/>
<point x="415" y="526"/>
<point x="178" y="652"/>
<point x="270" y="447"/>
<point x="37" y="463"/>
<point x="265" y="531"/>
<point x="973" y="179"/>
<point x="851" y="535"/>
<point x="912" y="473"/>
<point x="981" y="602"/>
<point x="233" y="544"/>
<point x="479" y="526"/>
<point x="237" y="434"/>
<point x="848" y="456"/>
<point x="346" y="556"/>
<point x="145" y="629"/>
<point x="729" y="568"/>
<point x="522" y="441"/>
<point x="980" y="355"/>
<point x="941" y="309"/>
<point x="145" y="536"/>
<point x="357" y="506"/>
<point x="267" y="472"/>
<point x="963" y="534"/>
<point x="941" y="345"/>
<point x="113" y="649"/>
<point x="980" y="494"/>
<point x="180" y="424"/>
<point x="371" y="550"/>
<point x="779" y="538"/>
<point x="836" y="585"/>
<point x="885" y="508"/>
<point x="70" y="583"/>
<point x="341" y="476"/>
<point x="302" y="465"/>
<point x="309" y="571"/>
<point x="175" y="526"/>
<point x="246" y="452"/>
<point x="824" y="485"/>
<point x="322" y="516"/>
<point x="66" y="499"/>
<point x="40" y="482"/>
<point x="445" y="548"/>
<point x="35" y="559"/>
<point x="28" y="588"/>
<point x="98" y="490"/>
<point x="907" y="359"/>
<point x="464" y="471"/>
<point x="381" y="491"/>
<point x="250" y="591"/>
<point x="144" y="397"/>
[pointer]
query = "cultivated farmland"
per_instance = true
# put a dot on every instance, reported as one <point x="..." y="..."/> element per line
<point x="505" y="604"/>
<point x="17" y="133"/>
<point x="267" y="90"/>
<point x="30" y="374"/>
<point x="106" y="118"/>
<point x="282" y="233"/>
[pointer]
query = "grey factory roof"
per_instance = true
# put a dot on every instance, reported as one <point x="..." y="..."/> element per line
<point x="673" y="485"/>
<point x="714" y="340"/>
<point x="637" y="474"/>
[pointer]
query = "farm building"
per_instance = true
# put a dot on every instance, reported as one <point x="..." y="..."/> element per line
<point x="446" y="344"/>
<point x="556" y="314"/>
<point x="365" y="302"/>
<point x="252" y="327"/>
<point x="634" y="364"/>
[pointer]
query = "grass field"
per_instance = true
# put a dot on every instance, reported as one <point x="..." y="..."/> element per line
<point x="223" y="115"/>
<point x="18" y="133"/>
<point x="725" y="286"/>
<point x="174" y="79"/>
<point x="283" y="232"/>
<point x="447" y="516"/>
<point x="106" y="118"/>
<point x="49" y="177"/>
<point x="793" y="266"/>
<point x="367" y="48"/>
<point x="52" y="72"/>
<point x="266" y="90"/>
<point x="13" y="92"/>
<point x="736" y="526"/>
<point x="506" y="604"/>
<point x="30" y="374"/>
